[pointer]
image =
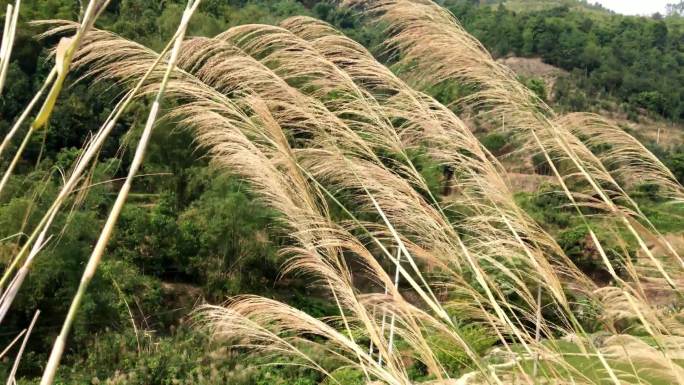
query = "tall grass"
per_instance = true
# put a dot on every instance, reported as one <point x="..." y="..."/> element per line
<point x="436" y="49"/>
<point x="313" y="122"/>
<point x="8" y="34"/>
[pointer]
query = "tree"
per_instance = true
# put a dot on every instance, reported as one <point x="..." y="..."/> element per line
<point x="675" y="9"/>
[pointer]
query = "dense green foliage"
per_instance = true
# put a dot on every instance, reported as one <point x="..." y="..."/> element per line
<point x="189" y="232"/>
<point x="636" y="61"/>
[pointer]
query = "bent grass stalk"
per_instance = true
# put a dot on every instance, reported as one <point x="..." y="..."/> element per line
<point x="98" y="251"/>
<point x="10" y="379"/>
<point x="14" y="341"/>
<point x="9" y="32"/>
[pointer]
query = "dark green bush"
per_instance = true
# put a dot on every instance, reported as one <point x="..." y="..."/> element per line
<point x="495" y="142"/>
<point x="580" y="248"/>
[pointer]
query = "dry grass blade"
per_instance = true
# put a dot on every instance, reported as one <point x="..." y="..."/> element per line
<point x="10" y="379"/>
<point x="9" y="32"/>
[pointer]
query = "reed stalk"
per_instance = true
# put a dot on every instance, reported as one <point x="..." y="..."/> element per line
<point x="9" y="32"/>
<point x="11" y="344"/>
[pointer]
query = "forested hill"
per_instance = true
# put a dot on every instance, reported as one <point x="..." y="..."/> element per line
<point x="633" y="61"/>
<point x="631" y="66"/>
<point x="189" y="231"/>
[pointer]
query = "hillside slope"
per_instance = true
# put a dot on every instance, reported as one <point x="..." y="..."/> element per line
<point x="194" y="231"/>
<point x="540" y="5"/>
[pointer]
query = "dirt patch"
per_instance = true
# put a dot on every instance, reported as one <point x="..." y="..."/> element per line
<point x="528" y="183"/>
<point x="665" y="134"/>
<point x="531" y="67"/>
<point x="182" y="297"/>
<point x="536" y="68"/>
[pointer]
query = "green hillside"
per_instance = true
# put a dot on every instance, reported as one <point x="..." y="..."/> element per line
<point x="541" y="5"/>
<point x="284" y="142"/>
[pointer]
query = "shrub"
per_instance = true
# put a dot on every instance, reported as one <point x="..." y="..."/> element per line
<point x="495" y="142"/>
<point x="580" y="248"/>
<point x="452" y="355"/>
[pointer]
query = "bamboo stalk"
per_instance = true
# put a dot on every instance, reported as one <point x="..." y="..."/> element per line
<point x="98" y="251"/>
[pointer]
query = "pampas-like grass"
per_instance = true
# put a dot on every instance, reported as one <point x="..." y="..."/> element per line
<point x="217" y="122"/>
<point x="211" y="110"/>
<point x="404" y="101"/>
<point x="274" y="47"/>
<point x="628" y="159"/>
<point x="222" y="127"/>
<point x="303" y="114"/>
<point x="435" y="48"/>
<point x="426" y="122"/>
